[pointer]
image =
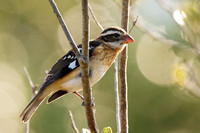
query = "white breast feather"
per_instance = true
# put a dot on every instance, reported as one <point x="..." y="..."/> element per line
<point x="72" y="85"/>
<point x="98" y="73"/>
<point x="75" y="84"/>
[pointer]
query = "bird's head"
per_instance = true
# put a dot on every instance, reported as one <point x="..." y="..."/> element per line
<point x="115" y="37"/>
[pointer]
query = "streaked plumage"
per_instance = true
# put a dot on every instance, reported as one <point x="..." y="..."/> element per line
<point x="65" y="76"/>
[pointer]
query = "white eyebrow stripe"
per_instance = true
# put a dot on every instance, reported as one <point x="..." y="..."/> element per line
<point x="72" y="65"/>
<point x="111" y="32"/>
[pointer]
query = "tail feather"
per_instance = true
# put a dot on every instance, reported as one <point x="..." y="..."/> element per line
<point x="56" y="95"/>
<point x="32" y="107"/>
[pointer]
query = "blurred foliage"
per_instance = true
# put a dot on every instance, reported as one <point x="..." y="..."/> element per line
<point x="107" y="130"/>
<point x="163" y="65"/>
<point x="184" y="42"/>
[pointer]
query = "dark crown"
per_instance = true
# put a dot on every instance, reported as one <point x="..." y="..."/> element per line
<point x="112" y="34"/>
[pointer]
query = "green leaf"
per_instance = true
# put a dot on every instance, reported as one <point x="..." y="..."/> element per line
<point x="107" y="130"/>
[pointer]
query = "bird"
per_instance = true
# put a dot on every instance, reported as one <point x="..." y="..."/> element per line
<point x="65" y="76"/>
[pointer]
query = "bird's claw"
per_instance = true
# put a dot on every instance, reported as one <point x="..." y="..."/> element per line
<point x="84" y="104"/>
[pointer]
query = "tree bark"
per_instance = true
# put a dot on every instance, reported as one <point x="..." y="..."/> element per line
<point x="87" y="92"/>
<point x="83" y="60"/>
<point x="123" y="72"/>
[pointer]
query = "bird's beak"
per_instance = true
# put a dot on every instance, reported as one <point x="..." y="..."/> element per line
<point x="127" y="39"/>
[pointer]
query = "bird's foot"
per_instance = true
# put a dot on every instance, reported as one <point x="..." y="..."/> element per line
<point x="84" y="104"/>
<point x="81" y="97"/>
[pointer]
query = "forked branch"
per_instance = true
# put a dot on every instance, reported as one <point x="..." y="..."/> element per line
<point x="33" y="88"/>
<point x="83" y="60"/>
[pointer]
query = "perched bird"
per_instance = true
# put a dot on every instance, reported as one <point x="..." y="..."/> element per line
<point x="65" y="76"/>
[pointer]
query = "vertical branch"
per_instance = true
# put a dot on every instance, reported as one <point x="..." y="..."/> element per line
<point x="83" y="60"/>
<point x="122" y="72"/>
<point x="27" y="127"/>
<point x="87" y="93"/>
<point x="117" y="96"/>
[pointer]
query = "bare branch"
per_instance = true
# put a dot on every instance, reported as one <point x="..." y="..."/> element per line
<point x="87" y="92"/>
<point x="83" y="61"/>
<point x="73" y="122"/>
<point x="65" y="29"/>
<point x="27" y="127"/>
<point x="95" y="19"/>
<point x="45" y="75"/>
<point x="122" y="72"/>
<point x="118" y="3"/>
<point x="134" y="23"/>
<point x="117" y="96"/>
<point x="33" y="87"/>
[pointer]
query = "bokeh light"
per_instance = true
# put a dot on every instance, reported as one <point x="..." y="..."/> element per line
<point x="179" y="16"/>
<point x="163" y="65"/>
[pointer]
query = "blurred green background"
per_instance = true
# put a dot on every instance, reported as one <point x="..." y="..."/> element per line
<point x="163" y="65"/>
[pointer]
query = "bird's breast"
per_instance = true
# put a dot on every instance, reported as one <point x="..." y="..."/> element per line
<point x="102" y="59"/>
<point x="97" y="73"/>
<point x="101" y="63"/>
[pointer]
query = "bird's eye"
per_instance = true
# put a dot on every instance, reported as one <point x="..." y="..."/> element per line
<point x="116" y="35"/>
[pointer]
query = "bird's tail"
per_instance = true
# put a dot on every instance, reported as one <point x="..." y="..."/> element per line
<point x="32" y="106"/>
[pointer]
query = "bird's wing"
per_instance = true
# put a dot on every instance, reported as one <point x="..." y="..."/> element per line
<point x="66" y="64"/>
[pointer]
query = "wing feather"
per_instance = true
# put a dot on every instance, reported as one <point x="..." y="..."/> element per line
<point x="64" y="64"/>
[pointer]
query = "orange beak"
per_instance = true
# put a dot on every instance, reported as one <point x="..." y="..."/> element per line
<point x="127" y="39"/>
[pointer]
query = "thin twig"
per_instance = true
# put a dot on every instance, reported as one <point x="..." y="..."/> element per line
<point x="87" y="91"/>
<point x="45" y="75"/>
<point x="95" y="19"/>
<point x="33" y="87"/>
<point x="73" y="122"/>
<point x="122" y="72"/>
<point x="65" y="29"/>
<point x="117" y="96"/>
<point x="27" y="127"/>
<point x="118" y="3"/>
<point x="134" y="23"/>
